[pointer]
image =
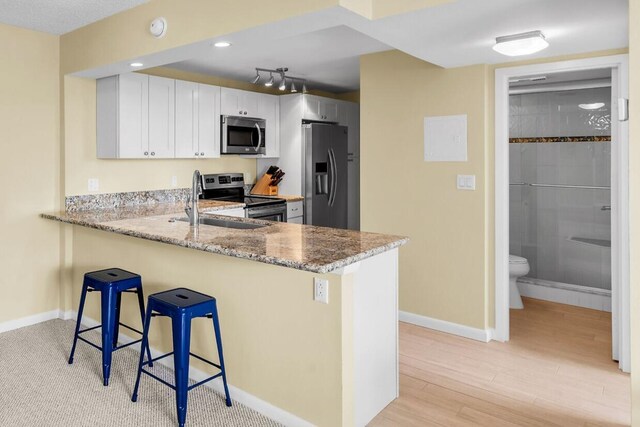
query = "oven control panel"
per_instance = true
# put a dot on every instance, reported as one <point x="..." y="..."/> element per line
<point x="227" y="180"/>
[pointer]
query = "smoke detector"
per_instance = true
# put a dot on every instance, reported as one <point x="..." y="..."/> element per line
<point x="158" y="27"/>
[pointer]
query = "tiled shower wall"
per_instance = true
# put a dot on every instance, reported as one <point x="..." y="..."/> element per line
<point x="545" y="222"/>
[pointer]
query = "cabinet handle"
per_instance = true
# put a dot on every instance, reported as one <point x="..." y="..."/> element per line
<point x="153" y="153"/>
<point x="202" y="154"/>
<point x="196" y="153"/>
<point x="245" y="113"/>
<point x="146" y="153"/>
<point x="240" y="112"/>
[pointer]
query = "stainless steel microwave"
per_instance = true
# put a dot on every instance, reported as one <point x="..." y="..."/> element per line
<point x="242" y="135"/>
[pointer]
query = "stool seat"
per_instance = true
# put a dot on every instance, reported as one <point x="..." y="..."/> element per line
<point x="181" y="298"/>
<point x="111" y="276"/>
<point x="111" y="283"/>
<point x="182" y="305"/>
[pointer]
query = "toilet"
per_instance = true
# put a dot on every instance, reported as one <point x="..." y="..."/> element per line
<point x="518" y="267"/>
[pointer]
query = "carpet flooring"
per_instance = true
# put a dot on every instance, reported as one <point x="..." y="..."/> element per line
<point x="39" y="388"/>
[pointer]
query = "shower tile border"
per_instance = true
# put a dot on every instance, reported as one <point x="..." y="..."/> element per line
<point x="552" y="139"/>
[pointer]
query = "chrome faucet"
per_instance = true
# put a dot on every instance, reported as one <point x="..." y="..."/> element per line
<point x="196" y="190"/>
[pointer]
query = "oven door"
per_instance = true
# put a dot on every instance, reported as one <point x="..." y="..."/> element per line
<point x="242" y="135"/>
<point x="269" y="213"/>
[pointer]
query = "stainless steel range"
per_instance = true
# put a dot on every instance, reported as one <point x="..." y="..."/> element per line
<point x="230" y="187"/>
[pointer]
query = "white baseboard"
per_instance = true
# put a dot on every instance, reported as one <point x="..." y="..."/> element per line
<point x="29" y="320"/>
<point x="237" y="395"/>
<point x="565" y="293"/>
<point x="483" y="335"/>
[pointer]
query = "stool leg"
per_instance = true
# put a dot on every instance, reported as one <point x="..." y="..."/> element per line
<point x="181" y="344"/>
<point x="216" y="327"/>
<point x="116" y="323"/>
<point x="108" y="299"/>
<point x="83" y="297"/>
<point x="141" y="305"/>
<point x="145" y="342"/>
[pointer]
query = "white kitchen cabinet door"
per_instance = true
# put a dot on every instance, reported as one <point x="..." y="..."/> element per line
<point x="209" y="121"/>
<point x="343" y="113"/>
<point x="296" y="220"/>
<point x="270" y="110"/>
<point x="161" y="117"/>
<point x="131" y="135"/>
<point x="235" y="102"/>
<point x="320" y="109"/>
<point x="187" y="120"/>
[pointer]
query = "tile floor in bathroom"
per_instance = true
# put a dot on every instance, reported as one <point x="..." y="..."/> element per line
<point x="556" y="370"/>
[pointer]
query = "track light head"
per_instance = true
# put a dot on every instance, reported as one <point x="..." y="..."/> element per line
<point x="293" y="87"/>
<point x="256" y="79"/>
<point x="283" y="83"/>
<point x="269" y="83"/>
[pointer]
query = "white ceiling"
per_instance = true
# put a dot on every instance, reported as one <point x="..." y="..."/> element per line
<point x="451" y="35"/>
<point x="329" y="58"/>
<point x="60" y="16"/>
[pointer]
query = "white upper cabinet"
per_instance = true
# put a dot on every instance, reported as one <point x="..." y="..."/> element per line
<point x="123" y="117"/>
<point x="209" y="121"/>
<point x="235" y="102"/>
<point x="319" y="109"/>
<point x="161" y="117"/>
<point x="197" y="120"/>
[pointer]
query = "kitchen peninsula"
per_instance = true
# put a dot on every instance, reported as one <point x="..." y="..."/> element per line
<point x="333" y="364"/>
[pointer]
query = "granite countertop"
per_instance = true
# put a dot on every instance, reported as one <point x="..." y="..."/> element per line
<point x="302" y="247"/>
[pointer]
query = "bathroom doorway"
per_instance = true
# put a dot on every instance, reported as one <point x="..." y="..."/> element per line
<point x="561" y="189"/>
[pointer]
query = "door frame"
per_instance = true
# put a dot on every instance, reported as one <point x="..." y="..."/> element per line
<point x="620" y="300"/>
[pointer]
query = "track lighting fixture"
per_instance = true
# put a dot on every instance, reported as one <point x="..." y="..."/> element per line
<point x="284" y="79"/>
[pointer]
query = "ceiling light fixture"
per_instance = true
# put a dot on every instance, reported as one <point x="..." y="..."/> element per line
<point x="592" y="106"/>
<point x="284" y="79"/>
<point x="136" y="64"/>
<point x="222" y="44"/>
<point x="521" y="44"/>
<point x="269" y="83"/>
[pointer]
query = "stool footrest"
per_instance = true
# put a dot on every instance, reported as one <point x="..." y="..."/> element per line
<point x="159" y="379"/>
<point x="89" y="329"/>
<point x="89" y="342"/>
<point x="204" y="381"/>
<point x="127" y="344"/>
<point x="171" y="385"/>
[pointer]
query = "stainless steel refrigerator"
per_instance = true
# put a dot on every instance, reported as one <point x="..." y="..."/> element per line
<point x="324" y="177"/>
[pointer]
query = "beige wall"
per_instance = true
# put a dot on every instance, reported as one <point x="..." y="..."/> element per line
<point x="445" y="225"/>
<point x="279" y="344"/>
<point x="634" y="185"/>
<point x="29" y="169"/>
<point x="442" y="270"/>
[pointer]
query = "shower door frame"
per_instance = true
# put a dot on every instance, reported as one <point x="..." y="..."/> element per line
<point x="620" y="300"/>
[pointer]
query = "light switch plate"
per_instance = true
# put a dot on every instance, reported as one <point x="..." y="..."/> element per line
<point x="466" y="182"/>
<point x="174" y="181"/>
<point x="93" y="184"/>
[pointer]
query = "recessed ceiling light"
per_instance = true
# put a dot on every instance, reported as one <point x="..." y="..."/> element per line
<point x="136" y="64"/>
<point x="521" y="44"/>
<point x="592" y="106"/>
<point x="222" y="44"/>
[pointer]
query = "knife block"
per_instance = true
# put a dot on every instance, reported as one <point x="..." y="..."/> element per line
<point x="263" y="187"/>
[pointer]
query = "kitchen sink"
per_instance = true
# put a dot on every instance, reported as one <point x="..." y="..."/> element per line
<point x="225" y="223"/>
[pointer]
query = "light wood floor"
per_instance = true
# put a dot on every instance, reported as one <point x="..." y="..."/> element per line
<point x="556" y="370"/>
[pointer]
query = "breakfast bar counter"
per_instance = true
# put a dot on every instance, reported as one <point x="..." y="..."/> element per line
<point x="309" y="315"/>
<point x="303" y="247"/>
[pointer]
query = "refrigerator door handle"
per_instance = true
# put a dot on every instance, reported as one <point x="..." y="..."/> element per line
<point x="331" y="173"/>
<point x="334" y="176"/>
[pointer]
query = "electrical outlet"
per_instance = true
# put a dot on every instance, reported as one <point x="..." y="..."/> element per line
<point x="321" y="290"/>
<point x="174" y="181"/>
<point x="93" y="184"/>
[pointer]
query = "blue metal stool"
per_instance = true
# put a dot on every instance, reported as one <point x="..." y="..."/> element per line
<point x="111" y="283"/>
<point x="182" y="305"/>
